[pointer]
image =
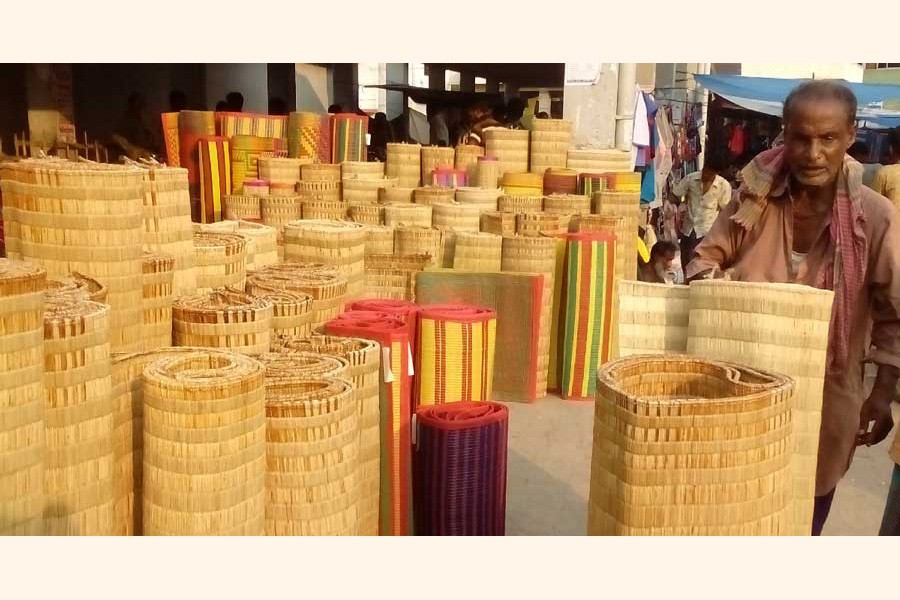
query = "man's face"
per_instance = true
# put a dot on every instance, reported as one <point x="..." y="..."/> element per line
<point x="815" y="140"/>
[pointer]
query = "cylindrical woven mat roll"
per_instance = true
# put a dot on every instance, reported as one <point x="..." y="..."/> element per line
<point x="330" y="210"/>
<point x="326" y="286"/>
<point x="255" y="187"/>
<point x="560" y="181"/>
<point x="84" y="217"/>
<point x="567" y="204"/>
<point x="419" y="240"/>
<point x="204" y="470"/>
<point x="362" y="170"/>
<point x="22" y="437"/>
<point x="77" y="287"/>
<point x="498" y="223"/>
<point x="591" y="183"/>
<point x="460" y="469"/>
<point x="158" y="295"/>
<point x="215" y="176"/>
<point x="414" y="215"/>
<point x="167" y="222"/>
<point x="522" y="184"/>
<point x="319" y="191"/>
<point x="379" y="239"/>
<point x="396" y="195"/>
<point x="537" y="224"/>
<point x="79" y="421"/>
<point x="777" y="327"/>
<point x="613" y="225"/>
<point x="485" y="200"/>
<point x="241" y="207"/>
<point x="220" y="260"/>
<point x="520" y="205"/>
<point x="364" y="358"/>
<point x="434" y="157"/>
<point x="456" y="217"/>
<point x="309" y="136"/>
<point x="292" y="314"/>
<point x="291" y="367"/>
<point x="550" y="139"/>
<point x="338" y="244"/>
<point x="598" y="161"/>
<point x="448" y="177"/>
<point x="224" y="318"/>
<point x="391" y="333"/>
<point x="278" y="211"/>
<point x="455" y="354"/>
<point x="467" y="159"/>
<point x="170" y="137"/>
<point x="348" y="137"/>
<point x="365" y="213"/>
<point x="246" y="150"/>
<point x="624" y="182"/>
<point x="405" y="310"/>
<point x="392" y="276"/>
<point x="264" y="241"/>
<point x="404" y="162"/>
<point x="628" y="206"/>
<point x="653" y="318"/>
<point x="488" y="173"/>
<point x="723" y="433"/>
<point x="281" y="170"/>
<point x="477" y="252"/>
<point x="365" y="190"/>
<point x="509" y="147"/>
<point x="192" y="125"/>
<point x="320" y="172"/>
<point x="430" y="196"/>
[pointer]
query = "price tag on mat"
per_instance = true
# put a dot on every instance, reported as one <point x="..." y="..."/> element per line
<point x="412" y="370"/>
<point x="386" y="364"/>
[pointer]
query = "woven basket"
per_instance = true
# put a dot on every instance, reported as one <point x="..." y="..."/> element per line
<point x="224" y="318"/>
<point x="320" y="172"/>
<point x="520" y="204"/>
<point x="777" y="327"/>
<point x="509" y="147"/>
<point x="204" y="470"/>
<point x="78" y="420"/>
<point x="434" y="157"/>
<point x="324" y="209"/>
<point x="684" y="446"/>
<point x="367" y="214"/>
<point x="429" y="196"/>
<point x="339" y="244"/>
<point x="241" y="207"/>
<point x="284" y="367"/>
<point x="362" y="170"/>
<point x="392" y="276"/>
<point x="326" y="286"/>
<point x="263" y="239"/>
<point x="498" y="223"/>
<point x="628" y="206"/>
<point x="321" y="191"/>
<point x="488" y="173"/>
<point x="77" y="287"/>
<point x="653" y="318"/>
<point x="159" y="274"/>
<point x="379" y="240"/>
<point x="560" y="181"/>
<point x="255" y="187"/>
<point x="365" y="191"/>
<point x="396" y="195"/>
<point x="477" y="252"/>
<point x="485" y="200"/>
<point x="281" y="170"/>
<point x="537" y="224"/>
<point x="456" y="217"/>
<point x="364" y="357"/>
<point x="404" y="163"/>
<point x="292" y="313"/>
<point x="82" y="217"/>
<point x="598" y="161"/>
<point x="522" y="184"/>
<point x="467" y="159"/>
<point x="220" y="260"/>
<point x="21" y="398"/>
<point x="413" y="215"/>
<point x="419" y="240"/>
<point x="550" y="139"/>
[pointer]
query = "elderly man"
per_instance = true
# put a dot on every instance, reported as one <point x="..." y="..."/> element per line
<point x="802" y="215"/>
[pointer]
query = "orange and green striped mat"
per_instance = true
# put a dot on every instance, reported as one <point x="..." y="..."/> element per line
<point x="215" y="176"/>
<point x="348" y="138"/>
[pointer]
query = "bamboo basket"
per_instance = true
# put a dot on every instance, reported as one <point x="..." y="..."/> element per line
<point x="456" y="217"/>
<point x="292" y="313"/>
<point x="242" y="207"/>
<point x="255" y="187"/>
<point x="467" y="159"/>
<point x="434" y="157"/>
<point x="225" y="318"/>
<point x="313" y="475"/>
<point x="379" y="240"/>
<point x="509" y="147"/>
<point x="77" y="287"/>
<point x="477" y="252"/>
<point x="535" y="255"/>
<point x="392" y="276"/>
<point x="537" y="224"/>
<point x="327" y="286"/>
<point x="281" y="170"/>
<point x="362" y="170"/>
<point x="498" y="223"/>
<point x="22" y="437"/>
<point x="522" y="184"/>
<point x="653" y="318"/>
<point x="320" y="172"/>
<point x="220" y="260"/>
<point x="419" y="240"/>
<point x="779" y="327"/>
<point x="167" y="222"/>
<point x="396" y="195"/>
<point x="430" y="195"/>
<point x="485" y="200"/>
<point x="321" y="209"/>
<point x="684" y="446"/>
<point x="339" y="244"/>
<point x="159" y="274"/>
<point x="365" y="190"/>
<point x="264" y="240"/>
<point x="488" y="173"/>
<point x="83" y="217"/>
<point x="78" y="420"/>
<point x="550" y="140"/>
<point x="404" y="162"/>
<point x="289" y="367"/>
<point x="599" y="161"/>
<point x="411" y="215"/>
<point x="520" y="204"/>
<point x="618" y="226"/>
<point x="364" y="358"/>
<point x="560" y="181"/>
<point x="367" y="214"/>
<point x="321" y="191"/>
<point x="278" y="211"/>
<point x="628" y="206"/>
<point x="204" y="471"/>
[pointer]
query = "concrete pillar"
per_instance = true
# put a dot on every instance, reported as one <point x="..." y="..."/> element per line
<point x="312" y="87"/>
<point x="467" y="81"/>
<point x="625" y="105"/>
<point x="704" y="69"/>
<point x="396" y="73"/>
<point x="592" y="108"/>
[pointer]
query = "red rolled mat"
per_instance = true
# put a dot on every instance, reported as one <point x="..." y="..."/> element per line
<point x="403" y="308"/>
<point x="460" y="469"/>
<point x="395" y="512"/>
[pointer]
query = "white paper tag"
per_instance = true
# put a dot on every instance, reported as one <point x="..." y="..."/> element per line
<point x="412" y="370"/>
<point x="386" y="364"/>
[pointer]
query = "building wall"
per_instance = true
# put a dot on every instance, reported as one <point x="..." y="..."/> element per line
<point x="886" y="76"/>
<point x="313" y="84"/>
<point x="250" y="79"/>
<point x="848" y="71"/>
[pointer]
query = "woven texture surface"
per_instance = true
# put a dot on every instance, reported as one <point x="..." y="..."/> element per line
<point x="653" y="318"/>
<point x="215" y="177"/>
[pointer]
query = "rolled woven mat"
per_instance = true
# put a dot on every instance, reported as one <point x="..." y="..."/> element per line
<point x="434" y="157"/>
<point x="567" y="204"/>
<point x="281" y="170"/>
<point x="778" y="327"/>
<point x="590" y="183"/>
<point x="454" y="353"/>
<point x="215" y="176"/>
<point x="405" y="310"/>
<point x="487" y="173"/>
<point x="620" y="227"/>
<point x="395" y="515"/>
<point x="414" y="215"/>
<point x="77" y="287"/>
<point x="560" y="181"/>
<point x="538" y="224"/>
<point x="364" y="358"/>
<point x="193" y="125"/>
<point x="509" y="147"/>
<point x="535" y="255"/>
<point x="599" y="161"/>
<point x="392" y="276"/>
<point x="283" y="367"/>
<point x="263" y="239"/>
<point x="231" y="124"/>
<point x="522" y="184"/>
<point x="324" y="210"/>
<point x="204" y="471"/>
<point x="456" y="217"/>
<point x="170" y="137"/>
<point x="319" y="191"/>
<point x="278" y="211"/>
<point x="348" y="137"/>
<point x="448" y="248"/>
<point x="448" y="177"/>
<point x="159" y="274"/>
<point x="520" y="204"/>
<point x="220" y="260"/>
<point x="467" y="159"/>
<point x="365" y="190"/>
<point x="419" y="240"/>
<point x="404" y="162"/>
<point x="367" y="214"/>
<point x="326" y="286"/>
<point x="515" y="298"/>
<point x="224" y="318"/>
<point x="498" y="223"/>
<point x="459" y="466"/>
<point x="309" y="136"/>
<point x="550" y="140"/>
<point x="485" y="200"/>
<point x="379" y="239"/>
<point x="588" y="288"/>
<point x="653" y="318"/>
<point x="477" y="252"/>
<point x="430" y="195"/>
<point x="723" y="433"/>
<point x="292" y="313"/>
<point x="396" y="195"/>
<point x="246" y="150"/>
<point x="339" y="244"/>
<point x="22" y="437"/>
<point x="626" y="205"/>
<point x="241" y="207"/>
<point x="78" y="420"/>
<point x="283" y="189"/>
<point x="623" y="182"/>
<point x="362" y="170"/>
<point x="167" y="222"/>
<point x="255" y="187"/>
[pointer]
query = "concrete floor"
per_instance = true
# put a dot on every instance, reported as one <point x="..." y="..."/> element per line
<point x="549" y="469"/>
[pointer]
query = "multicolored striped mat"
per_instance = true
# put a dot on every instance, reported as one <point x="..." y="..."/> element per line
<point x="231" y="124"/>
<point x="193" y="125"/>
<point x="309" y="136"/>
<point x="215" y="176"/>
<point x="348" y="137"/>
<point x="245" y="153"/>
<point x="170" y="137"/>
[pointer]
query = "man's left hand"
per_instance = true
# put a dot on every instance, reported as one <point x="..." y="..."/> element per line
<point x="875" y="418"/>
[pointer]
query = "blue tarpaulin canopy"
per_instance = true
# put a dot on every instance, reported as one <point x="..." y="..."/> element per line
<point x="766" y="95"/>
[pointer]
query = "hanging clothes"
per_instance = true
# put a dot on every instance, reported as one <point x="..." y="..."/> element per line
<point x="641" y="131"/>
<point x="738" y="142"/>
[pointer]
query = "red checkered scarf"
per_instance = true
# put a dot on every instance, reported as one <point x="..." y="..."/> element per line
<point x="846" y="273"/>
